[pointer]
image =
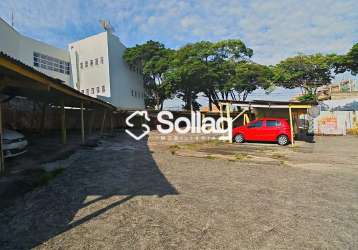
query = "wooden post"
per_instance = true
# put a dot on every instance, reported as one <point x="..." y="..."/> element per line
<point x="43" y="118"/>
<point x="2" y="164"/>
<point x="221" y="114"/>
<point x="227" y="121"/>
<point x="112" y="123"/>
<point x="90" y="126"/>
<point x="291" y="125"/>
<point x="63" y="124"/>
<point x="82" y="125"/>
<point x="103" y="122"/>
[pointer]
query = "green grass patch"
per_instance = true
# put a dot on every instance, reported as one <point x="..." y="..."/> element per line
<point x="45" y="177"/>
<point x="242" y="156"/>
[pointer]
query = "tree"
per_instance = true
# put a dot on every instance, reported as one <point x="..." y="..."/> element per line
<point x="187" y="73"/>
<point x="226" y="55"/>
<point x="348" y="62"/>
<point x="207" y="67"/>
<point x="248" y="77"/>
<point x="153" y="60"/>
<point x="307" y="72"/>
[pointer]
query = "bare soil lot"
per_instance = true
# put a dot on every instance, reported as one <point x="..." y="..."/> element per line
<point x="181" y="195"/>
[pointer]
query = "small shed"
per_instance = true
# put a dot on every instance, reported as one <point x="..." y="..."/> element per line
<point x="262" y="108"/>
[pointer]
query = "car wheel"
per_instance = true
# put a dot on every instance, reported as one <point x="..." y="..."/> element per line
<point x="282" y="140"/>
<point x="239" y="138"/>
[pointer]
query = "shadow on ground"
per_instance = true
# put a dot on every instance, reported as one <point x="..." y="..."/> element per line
<point x="116" y="171"/>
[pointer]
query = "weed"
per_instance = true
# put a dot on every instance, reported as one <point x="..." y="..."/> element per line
<point x="210" y="157"/>
<point x="45" y="177"/>
<point x="241" y="156"/>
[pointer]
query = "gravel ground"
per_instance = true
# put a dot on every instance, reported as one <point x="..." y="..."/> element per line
<point x="150" y="195"/>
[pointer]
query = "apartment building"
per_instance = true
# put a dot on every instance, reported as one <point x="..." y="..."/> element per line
<point x="93" y="65"/>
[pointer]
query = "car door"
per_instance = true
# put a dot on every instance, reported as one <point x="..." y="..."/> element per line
<point x="254" y="132"/>
<point x="272" y="129"/>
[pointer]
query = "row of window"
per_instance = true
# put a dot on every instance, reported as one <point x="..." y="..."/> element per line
<point x="103" y="88"/>
<point x="137" y="94"/>
<point x="51" y="63"/>
<point x="96" y="61"/>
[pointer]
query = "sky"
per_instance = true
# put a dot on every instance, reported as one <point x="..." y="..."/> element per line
<point x="273" y="29"/>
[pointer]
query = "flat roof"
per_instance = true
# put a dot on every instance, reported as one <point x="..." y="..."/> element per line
<point x="19" y="79"/>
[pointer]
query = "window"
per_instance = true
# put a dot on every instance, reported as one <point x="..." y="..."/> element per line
<point x="92" y="90"/>
<point x="81" y="65"/>
<point x="97" y="88"/>
<point x="51" y="63"/>
<point x="257" y="124"/>
<point x="272" y="123"/>
<point x="96" y="61"/>
<point x="102" y="60"/>
<point x="103" y="89"/>
<point x="87" y="91"/>
<point x="91" y="62"/>
<point x="132" y="92"/>
<point x="86" y="64"/>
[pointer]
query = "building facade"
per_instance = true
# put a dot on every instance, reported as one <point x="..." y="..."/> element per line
<point x="93" y="65"/>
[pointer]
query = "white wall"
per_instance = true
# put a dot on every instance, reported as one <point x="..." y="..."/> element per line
<point x="114" y="73"/>
<point x="22" y="48"/>
<point x="123" y="80"/>
<point x="92" y="76"/>
<point x="123" y="87"/>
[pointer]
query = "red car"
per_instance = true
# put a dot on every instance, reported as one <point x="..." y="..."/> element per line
<point x="264" y="129"/>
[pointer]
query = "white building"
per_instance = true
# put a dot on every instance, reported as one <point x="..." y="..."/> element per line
<point x="93" y="65"/>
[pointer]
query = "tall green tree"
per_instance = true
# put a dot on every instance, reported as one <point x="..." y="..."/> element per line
<point x="348" y="62"/>
<point x="248" y="77"/>
<point x="153" y="60"/>
<point x="207" y="67"/>
<point x="188" y="72"/>
<point x="307" y="72"/>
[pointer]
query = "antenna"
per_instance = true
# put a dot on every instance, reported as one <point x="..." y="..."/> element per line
<point x="106" y="25"/>
<point x="12" y="19"/>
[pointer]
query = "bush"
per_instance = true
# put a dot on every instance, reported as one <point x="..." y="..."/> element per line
<point x="307" y="97"/>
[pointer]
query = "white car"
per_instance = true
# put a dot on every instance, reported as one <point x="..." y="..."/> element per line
<point x="14" y="143"/>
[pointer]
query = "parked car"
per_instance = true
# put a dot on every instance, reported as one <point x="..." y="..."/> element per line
<point x="14" y="143"/>
<point x="264" y="129"/>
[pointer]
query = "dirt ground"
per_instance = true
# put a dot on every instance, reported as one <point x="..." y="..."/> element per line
<point x="178" y="194"/>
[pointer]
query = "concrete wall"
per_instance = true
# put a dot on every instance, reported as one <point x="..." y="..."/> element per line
<point x="335" y="123"/>
<point x="22" y="48"/>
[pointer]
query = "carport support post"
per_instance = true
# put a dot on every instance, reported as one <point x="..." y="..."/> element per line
<point x="228" y="120"/>
<point x="82" y="125"/>
<point x="2" y="164"/>
<point x="103" y="122"/>
<point x="43" y="118"/>
<point x="112" y="123"/>
<point x="63" y="124"/>
<point x="90" y="128"/>
<point x="221" y="114"/>
<point x="291" y="124"/>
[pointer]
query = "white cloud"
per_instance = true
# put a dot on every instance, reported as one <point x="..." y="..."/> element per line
<point x="274" y="29"/>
